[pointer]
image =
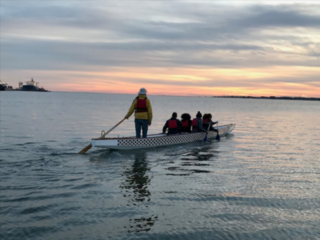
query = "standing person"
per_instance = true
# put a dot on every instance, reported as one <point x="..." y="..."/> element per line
<point x="143" y="113"/>
<point x="197" y="124"/>
<point x="173" y="124"/>
<point x="186" y="122"/>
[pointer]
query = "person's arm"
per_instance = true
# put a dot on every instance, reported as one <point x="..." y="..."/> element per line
<point x="211" y="126"/>
<point x="165" y="127"/>
<point x="149" y="111"/>
<point x="132" y="108"/>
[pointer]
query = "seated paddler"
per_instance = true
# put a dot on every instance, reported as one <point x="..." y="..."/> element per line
<point x="173" y="125"/>
<point x="207" y="120"/>
<point x="186" y="122"/>
<point x="197" y="124"/>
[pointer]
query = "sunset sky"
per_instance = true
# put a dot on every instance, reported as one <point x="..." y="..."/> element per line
<point x="257" y="48"/>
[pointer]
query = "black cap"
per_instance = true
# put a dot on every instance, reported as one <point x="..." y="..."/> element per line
<point x="174" y="115"/>
<point x="199" y="114"/>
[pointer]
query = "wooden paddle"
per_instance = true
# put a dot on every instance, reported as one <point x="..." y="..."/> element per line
<point x="205" y="138"/>
<point x="218" y="136"/>
<point x="83" y="151"/>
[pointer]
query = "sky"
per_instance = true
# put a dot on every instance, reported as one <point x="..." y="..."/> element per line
<point x="188" y="48"/>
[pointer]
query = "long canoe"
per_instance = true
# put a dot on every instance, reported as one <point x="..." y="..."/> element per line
<point x="158" y="140"/>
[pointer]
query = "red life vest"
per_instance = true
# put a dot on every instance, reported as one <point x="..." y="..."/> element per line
<point x="172" y="124"/>
<point x="141" y="105"/>
<point x="205" y="120"/>
<point x="194" y="123"/>
<point x="185" y="123"/>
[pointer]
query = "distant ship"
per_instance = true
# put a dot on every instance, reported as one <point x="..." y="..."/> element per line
<point x="30" y="86"/>
<point x="3" y="86"/>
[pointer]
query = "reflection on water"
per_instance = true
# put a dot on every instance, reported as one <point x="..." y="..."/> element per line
<point x="135" y="187"/>
<point x="194" y="161"/>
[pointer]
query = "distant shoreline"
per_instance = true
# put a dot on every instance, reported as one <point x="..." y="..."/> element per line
<point x="272" y="98"/>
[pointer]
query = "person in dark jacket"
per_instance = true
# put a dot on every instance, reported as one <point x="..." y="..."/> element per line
<point x="173" y="124"/>
<point x="186" y="122"/>
<point x="212" y="123"/>
<point x="207" y="120"/>
<point x="197" y="124"/>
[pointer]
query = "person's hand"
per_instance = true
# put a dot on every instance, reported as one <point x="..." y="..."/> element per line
<point x="149" y="123"/>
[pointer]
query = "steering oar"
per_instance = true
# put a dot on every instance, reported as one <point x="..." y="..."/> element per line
<point x="83" y="151"/>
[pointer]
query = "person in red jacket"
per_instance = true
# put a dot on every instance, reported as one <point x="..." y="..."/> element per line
<point x="186" y="122"/>
<point x="173" y="124"/>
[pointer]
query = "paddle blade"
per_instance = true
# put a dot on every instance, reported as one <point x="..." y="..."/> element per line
<point x="218" y="137"/>
<point x="205" y="138"/>
<point x="83" y="151"/>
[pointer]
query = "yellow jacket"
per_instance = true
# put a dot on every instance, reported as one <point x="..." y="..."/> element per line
<point x="141" y="115"/>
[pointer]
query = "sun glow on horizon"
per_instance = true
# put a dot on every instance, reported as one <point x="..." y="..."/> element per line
<point x="185" y="81"/>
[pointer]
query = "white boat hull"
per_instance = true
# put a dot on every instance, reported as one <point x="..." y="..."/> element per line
<point x="157" y="140"/>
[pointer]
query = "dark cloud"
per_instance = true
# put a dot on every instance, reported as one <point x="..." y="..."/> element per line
<point x="278" y="17"/>
<point x="50" y="54"/>
<point x="213" y="22"/>
<point x="54" y="54"/>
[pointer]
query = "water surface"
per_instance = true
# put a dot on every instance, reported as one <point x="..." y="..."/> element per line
<point x="261" y="182"/>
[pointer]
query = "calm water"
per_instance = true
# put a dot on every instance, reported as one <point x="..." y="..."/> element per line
<point x="261" y="182"/>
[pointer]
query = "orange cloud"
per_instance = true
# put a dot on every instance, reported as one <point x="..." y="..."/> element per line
<point x="275" y="81"/>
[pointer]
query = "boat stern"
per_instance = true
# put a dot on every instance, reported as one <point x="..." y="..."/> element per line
<point x="104" y="144"/>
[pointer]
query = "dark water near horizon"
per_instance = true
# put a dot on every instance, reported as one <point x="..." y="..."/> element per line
<point x="261" y="182"/>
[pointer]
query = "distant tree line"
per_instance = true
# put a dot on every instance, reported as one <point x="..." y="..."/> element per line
<point x="271" y="97"/>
